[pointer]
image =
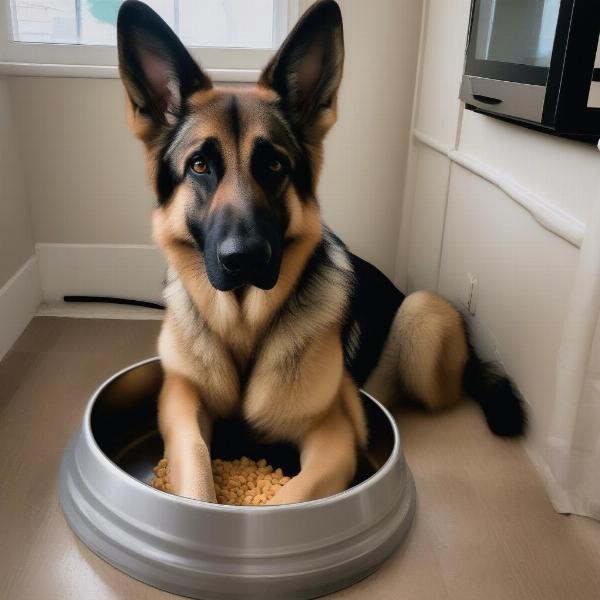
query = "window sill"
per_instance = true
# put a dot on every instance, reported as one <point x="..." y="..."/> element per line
<point x="110" y="72"/>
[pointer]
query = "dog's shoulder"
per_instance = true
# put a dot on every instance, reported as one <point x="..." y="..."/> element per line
<point x="339" y="286"/>
<point x="327" y="282"/>
<point x="374" y="302"/>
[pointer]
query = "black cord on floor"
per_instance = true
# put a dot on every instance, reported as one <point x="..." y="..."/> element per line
<point x="109" y="300"/>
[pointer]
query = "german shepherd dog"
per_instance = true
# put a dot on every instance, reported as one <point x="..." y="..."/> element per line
<point x="268" y="313"/>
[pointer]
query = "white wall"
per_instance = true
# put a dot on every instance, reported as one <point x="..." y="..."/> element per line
<point x="436" y="113"/>
<point x="89" y="181"/>
<point x="19" y="284"/>
<point x="16" y="244"/>
<point x="460" y="222"/>
<point x="363" y="179"/>
<point x="88" y="184"/>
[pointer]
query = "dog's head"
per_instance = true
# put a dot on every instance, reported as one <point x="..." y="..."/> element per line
<point x="234" y="169"/>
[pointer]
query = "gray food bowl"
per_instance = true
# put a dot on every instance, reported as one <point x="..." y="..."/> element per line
<point x="209" y="551"/>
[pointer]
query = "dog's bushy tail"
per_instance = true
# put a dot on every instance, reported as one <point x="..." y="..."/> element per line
<point x="501" y="403"/>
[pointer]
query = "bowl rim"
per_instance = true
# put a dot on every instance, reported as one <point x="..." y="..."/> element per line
<point x="203" y="504"/>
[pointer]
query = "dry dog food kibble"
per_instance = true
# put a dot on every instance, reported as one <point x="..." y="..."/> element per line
<point x="242" y="482"/>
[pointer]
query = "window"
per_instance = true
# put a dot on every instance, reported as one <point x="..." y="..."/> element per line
<point x="224" y="35"/>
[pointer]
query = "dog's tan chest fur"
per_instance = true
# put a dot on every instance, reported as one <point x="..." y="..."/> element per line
<point x="257" y="355"/>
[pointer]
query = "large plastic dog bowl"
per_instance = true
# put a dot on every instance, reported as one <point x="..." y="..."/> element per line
<point x="209" y="551"/>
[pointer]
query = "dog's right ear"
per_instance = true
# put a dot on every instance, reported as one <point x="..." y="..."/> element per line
<point x="307" y="70"/>
<point x="156" y="69"/>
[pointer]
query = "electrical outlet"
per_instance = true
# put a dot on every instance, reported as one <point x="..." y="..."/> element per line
<point x="471" y="293"/>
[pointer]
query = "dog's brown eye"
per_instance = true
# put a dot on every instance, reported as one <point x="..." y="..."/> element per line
<point x="275" y="166"/>
<point x="199" y="166"/>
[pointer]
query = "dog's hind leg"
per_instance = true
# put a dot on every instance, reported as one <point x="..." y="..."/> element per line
<point x="185" y="429"/>
<point x="427" y="358"/>
<point x="425" y="355"/>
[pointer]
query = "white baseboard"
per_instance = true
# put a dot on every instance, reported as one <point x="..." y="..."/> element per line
<point x="92" y="310"/>
<point x="19" y="299"/>
<point x="134" y="272"/>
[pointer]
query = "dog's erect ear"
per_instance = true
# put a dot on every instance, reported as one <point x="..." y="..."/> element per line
<point x="156" y="69"/>
<point x="307" y="70"/>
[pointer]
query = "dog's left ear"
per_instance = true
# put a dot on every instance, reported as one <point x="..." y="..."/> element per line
<point x="158" y="72"/>
<point x="307" y="70"/>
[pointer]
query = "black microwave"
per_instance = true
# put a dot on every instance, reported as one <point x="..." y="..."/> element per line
<point x="536" y="63"/>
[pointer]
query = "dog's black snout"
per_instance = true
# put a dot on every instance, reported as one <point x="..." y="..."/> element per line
<point x="238" y="255"/>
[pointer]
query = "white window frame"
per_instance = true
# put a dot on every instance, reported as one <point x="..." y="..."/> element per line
<point x="75" y="60"/>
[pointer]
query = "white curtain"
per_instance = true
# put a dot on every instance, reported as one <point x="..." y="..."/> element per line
<point x="573" y="445"/>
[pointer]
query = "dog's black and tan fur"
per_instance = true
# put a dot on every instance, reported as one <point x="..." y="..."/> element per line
<point x="268" y="313"/>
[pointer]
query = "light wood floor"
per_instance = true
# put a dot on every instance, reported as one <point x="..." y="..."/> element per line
<point x="484" y="528"/>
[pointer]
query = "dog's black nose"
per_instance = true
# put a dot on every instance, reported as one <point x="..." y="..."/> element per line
<point x="244" y="255"/>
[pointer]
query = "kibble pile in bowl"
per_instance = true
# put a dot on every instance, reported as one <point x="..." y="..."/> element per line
<point x="241" y="482"/>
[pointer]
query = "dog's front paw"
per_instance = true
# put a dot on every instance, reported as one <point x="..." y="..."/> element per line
<point x="188" y="473"/>
<point x="297" y="489"/>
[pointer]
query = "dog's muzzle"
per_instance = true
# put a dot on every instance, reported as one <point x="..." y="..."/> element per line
<point x="244" y="256"/>
<point x="240" y="252"/>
